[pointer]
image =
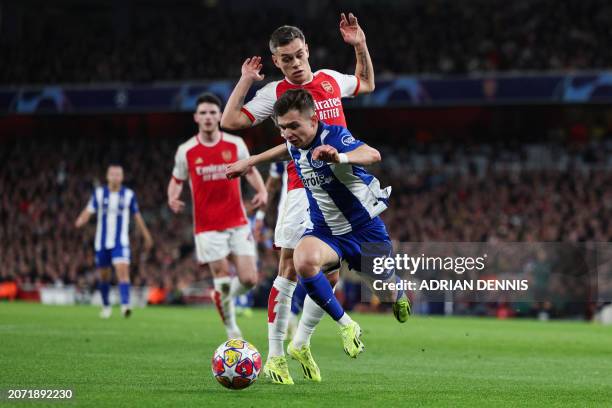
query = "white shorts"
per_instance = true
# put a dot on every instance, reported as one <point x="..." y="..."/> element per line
<point x="215" y="245"/>
<point x="293" y="219"/>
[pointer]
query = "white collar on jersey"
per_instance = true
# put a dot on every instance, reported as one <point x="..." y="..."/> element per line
<point x="200" y="141"/>
<point x="305" y="83"/>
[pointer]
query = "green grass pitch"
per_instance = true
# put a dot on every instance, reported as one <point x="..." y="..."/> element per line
<point x="161" y="357"/>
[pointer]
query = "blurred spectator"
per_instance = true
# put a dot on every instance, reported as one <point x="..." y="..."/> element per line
<point x="152" y="40"/>
<point x="441" y="192"/>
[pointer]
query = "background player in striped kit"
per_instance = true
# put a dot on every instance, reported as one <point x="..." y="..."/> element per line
<point x="290" y="54"/>
<point x="221" y="226"/>
<point x="113" y="205"/>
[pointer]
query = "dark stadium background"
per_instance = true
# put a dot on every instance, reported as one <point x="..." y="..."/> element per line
<point x="499" y="142"/>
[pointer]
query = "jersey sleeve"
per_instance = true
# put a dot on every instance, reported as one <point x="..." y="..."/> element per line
<point x="134" y="204"/>
<point x="260" y="107"/>
<point x="342" y="139"/>
<point x="243" y="150"/>
<point x="349" y="84"/>
<point x="277" y="169"/>
<point x="92" y="204"/>
<point x="180" y="171"/>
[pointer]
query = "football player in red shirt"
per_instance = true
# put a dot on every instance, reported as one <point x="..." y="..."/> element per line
<point x="290" y="54"/>
<point x="221" y="227"/>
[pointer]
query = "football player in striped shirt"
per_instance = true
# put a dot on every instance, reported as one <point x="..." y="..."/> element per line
<point x="114" y="204"/>
<point x="345" y="201"/>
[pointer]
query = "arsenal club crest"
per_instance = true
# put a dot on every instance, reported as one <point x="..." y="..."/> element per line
<point x="327" y="87"/>
<point x="226" y="155"/>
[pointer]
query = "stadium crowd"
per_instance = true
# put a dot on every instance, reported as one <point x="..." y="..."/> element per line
<point x="128" y="41"/>
<point x="442" y="192"/>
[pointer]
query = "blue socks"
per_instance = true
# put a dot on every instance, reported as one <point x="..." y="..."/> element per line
<point x="400" y="292"/>
<point x="104" y="289"/>
<point x="297" y="301"/>
<point x="124" y="292"/>
<point x="321" y="292"/>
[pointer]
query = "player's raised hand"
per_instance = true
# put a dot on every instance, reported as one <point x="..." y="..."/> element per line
<point x="237" y="169"/>
<point x="176" y="205"/>
<point x="351" y="31"/>
<point x="326" y="153"/>
<point x="251" y="69"/>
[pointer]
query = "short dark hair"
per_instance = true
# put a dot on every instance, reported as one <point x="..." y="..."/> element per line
<point x="294" y="99"/>
<point x="208" y="97"/>
<point x="284" y="35"/>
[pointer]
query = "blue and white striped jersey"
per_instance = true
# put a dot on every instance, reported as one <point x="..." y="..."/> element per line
<point x="342" y="197"/>
<point x="113" y="211"/>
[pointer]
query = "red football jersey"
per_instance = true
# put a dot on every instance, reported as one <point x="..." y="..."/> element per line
<point x="327" y="88"/>
<point x="217" y="201"/>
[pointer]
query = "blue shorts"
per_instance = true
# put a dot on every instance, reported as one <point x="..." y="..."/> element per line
<point x="349" y="246"/>
<point x="106" y="257"/>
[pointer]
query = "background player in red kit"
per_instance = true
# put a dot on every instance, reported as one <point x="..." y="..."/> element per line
<point x="290" y="54"/>
<point x="221" y="226"/>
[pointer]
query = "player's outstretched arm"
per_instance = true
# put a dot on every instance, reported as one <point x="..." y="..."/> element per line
<point x="83" y="218"/>
<point x="142" y="227"/>
<point x="241" y="167"/>
<point x="233" y="117"/>
<point x="260" y="199"/>
<point x="174" y="192"/>
<point x="364" y="155"/>
<point x="354" y="35"/>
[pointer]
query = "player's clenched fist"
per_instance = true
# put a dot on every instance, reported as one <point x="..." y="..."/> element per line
<point x="326" y="153"/>
<point x="251" y="68"/>
<point x="260" y="199"/>
<point x="240" y="168"/>
<point x="176" y="205"/>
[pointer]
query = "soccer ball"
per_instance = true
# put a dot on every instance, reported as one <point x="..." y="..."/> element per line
<point x="236" y="364"/>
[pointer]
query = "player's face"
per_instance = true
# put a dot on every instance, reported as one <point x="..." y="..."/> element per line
<point x="292" y="59"/>
<point x="114" y="176"/>
<point x="207" y="116"/>
<point x="298" y="128"/>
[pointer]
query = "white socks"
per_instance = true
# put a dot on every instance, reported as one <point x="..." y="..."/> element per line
<point x="345" y="320"/>
<point x="225" y="305"/>
<point x="279" y="309"/>
<point x="311" y="316"/>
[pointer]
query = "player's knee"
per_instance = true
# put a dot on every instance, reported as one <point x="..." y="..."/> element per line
<point x="123" y="272"/>
<point x="219" y="270"/>
<point x="249" y="281"/>
<point x="307" y="263"/>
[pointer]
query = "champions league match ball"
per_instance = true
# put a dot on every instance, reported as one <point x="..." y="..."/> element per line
<point x="236" y="364"/>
